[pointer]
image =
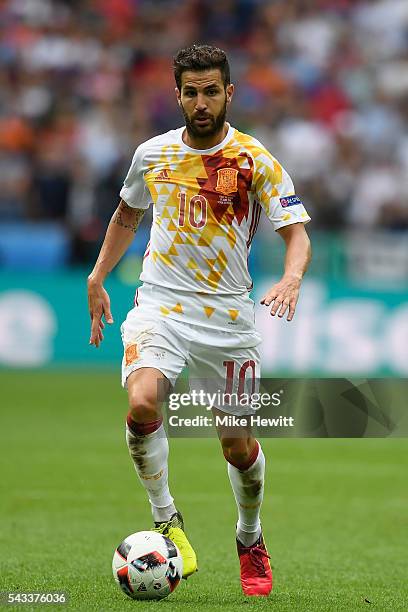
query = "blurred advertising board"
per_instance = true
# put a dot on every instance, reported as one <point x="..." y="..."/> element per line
<point x="339" y="329"/>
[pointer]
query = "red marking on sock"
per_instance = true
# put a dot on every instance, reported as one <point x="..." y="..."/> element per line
<point x="254" y="455"/>
<point x="142" y="429"/>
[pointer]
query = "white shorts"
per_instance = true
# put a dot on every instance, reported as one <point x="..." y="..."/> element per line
<point x="222" y="360"/>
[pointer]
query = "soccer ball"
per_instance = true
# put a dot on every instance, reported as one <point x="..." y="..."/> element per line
<point x="147" y="565"/>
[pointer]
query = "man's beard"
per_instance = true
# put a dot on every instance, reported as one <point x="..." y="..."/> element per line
<point x="214" y="126"/>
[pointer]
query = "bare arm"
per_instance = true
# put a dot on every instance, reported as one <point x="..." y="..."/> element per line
<point x="119" y="235"/>
<point x="285" y="293"/>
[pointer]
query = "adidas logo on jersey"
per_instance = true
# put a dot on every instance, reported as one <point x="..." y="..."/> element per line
<point x="163" y="175"/>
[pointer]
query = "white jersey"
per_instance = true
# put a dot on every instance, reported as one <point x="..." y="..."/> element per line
<point x="207" y="205"/>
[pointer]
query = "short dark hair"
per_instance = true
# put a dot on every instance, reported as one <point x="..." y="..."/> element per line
<point x="199" y="58"/>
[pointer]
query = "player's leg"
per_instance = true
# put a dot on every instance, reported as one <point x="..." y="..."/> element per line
<point x="152" y="361"/>
<point x="246" y="471"/>
<point x="154" y="357"/>
<point x="146" y="438"/>
<point x="224" y="371"/>
<point x="235" y="371"/>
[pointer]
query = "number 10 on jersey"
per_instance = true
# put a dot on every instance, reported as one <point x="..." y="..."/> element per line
<point x="194" y="213"/>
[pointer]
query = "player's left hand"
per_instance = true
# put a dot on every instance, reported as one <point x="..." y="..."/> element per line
<point x="283" y="295"/>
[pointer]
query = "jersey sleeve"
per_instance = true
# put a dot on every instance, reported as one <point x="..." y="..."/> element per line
<point x="135" y="191"/>
<point x="276" y="193"/>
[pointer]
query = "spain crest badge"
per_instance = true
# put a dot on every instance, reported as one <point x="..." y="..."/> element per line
<point x="131" y="354"/>
<point x="227" y="181"/>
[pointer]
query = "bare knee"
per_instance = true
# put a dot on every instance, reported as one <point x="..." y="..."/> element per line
<point x="143" y="406"/>
<point x="145" y="391"/>
<point x="237" y="451"/>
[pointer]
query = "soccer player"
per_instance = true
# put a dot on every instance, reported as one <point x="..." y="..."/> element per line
<point x="208" y="183"/>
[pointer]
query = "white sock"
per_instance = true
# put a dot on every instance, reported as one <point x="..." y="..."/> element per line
<point x="149" y="454"/>
<point x="248" y="487"/>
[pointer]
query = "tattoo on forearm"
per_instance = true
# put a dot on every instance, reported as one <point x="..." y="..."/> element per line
<point x="127" y="217"/>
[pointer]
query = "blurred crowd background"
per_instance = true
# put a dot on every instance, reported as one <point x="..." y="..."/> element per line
<point x="322" y="83"/>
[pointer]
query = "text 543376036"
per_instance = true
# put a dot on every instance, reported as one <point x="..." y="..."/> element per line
<point x="21" y="598"/>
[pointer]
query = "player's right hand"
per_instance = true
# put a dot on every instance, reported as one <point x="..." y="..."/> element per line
<point x="99" y="306"/>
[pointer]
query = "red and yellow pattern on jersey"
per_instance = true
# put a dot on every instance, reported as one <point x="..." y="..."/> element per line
<point x="207" y="205"/>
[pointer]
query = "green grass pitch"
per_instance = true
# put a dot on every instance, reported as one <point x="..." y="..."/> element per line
<point x="334" y="515"/>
